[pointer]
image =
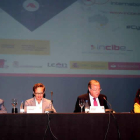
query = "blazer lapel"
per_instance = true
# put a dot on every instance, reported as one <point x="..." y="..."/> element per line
<point x="43" y="105"/>
<point x="33" y="102"/>
<point x="87" y="98"/>
<point x="100" y="100"/>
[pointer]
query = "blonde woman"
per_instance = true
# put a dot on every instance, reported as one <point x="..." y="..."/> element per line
<point x="137" y="102"/>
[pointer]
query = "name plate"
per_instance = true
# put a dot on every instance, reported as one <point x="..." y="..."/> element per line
<point x="34" y="109"/>
<point x="97" y="109"/>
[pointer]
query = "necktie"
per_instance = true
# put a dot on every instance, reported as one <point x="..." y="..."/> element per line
<point x="95" y="102"/>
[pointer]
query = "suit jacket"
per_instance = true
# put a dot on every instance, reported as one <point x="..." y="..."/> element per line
<point x="2" y="107"/>
<point x="46" y="104"/>
<point x="86" y="97"/>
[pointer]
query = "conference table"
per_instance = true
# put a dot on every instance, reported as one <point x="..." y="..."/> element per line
<point x="70" y="126"/>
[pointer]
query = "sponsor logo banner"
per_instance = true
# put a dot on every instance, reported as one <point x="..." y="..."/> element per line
<point x="123" y="66"/>
<point x="16" y="64"/>
<point x="3" y="64"/>
<point x="32" y="47"/>
<point x="109" y="47"/>
<point x="88" y="65"/>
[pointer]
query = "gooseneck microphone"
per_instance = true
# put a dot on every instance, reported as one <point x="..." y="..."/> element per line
<point x="50" y="109"/>
<point x="52" y="97"/>
<point x="108" y="110"/>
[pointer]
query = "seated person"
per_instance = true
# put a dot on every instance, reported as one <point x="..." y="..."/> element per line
<point x="38" y="100"/>
<point x="2" y="107"/>
<point x="94" y="97"/>
<point x="137" y="102"/>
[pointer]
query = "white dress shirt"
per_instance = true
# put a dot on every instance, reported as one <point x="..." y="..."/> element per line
<point x="91" y="100"/>
<point x="38" y="105"/>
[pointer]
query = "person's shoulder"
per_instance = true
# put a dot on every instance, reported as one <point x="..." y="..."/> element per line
<point x="29" y="100"/>
<point x="1" y="101"/>
<point x="83" y="95"/>
<point x="46" y="100"/>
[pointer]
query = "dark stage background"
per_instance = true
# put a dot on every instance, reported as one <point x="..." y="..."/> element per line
<point x="120" y="91"/>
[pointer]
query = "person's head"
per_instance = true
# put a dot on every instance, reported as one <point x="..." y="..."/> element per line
<point x="137" y="98"/>
<point x="39" y="91"/>
<point x="94" y="88"/>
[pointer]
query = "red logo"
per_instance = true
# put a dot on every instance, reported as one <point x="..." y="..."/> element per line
<point x="31" y="5"/>
<point x="2" y="61"/>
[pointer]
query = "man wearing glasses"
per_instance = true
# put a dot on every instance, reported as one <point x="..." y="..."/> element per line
<point x="38" y="100"/>
<point x="94" y="97"/>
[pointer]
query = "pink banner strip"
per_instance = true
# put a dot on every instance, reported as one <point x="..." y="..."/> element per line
<point x="68" y="75"/>
<point x="123" y="66"/>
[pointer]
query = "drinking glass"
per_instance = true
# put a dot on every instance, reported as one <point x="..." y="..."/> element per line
<point x="14" y="103"/>
<point x="81" y="103"/>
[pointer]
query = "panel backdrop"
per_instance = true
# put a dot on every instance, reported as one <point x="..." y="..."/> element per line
<point x="66" y="43"/>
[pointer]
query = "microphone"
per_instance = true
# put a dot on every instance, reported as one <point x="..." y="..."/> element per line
<point x="50" y="110"/>
<point x="52" y="97"/>
<point x="108" y="110"/>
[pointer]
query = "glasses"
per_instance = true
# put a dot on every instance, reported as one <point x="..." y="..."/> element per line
<point x="40" y="93"/>
<point x="96" y="89"/>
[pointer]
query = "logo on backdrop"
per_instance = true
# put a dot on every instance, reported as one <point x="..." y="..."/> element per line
<point x="31" y="5"/>
<point x="75" y="65"/>
<point x="58" y="65"/>
<point x="2" y="63"/>
<point x="125" y="13"/>
<point x="134" y="27"/>
<point x="109" y="48"/>
<point x="123" y="66"/>
<point x="125" y="4"/>
<point x="91" y="2"/>
<point x="16" y="64"/>
<point x="34" y="13"/>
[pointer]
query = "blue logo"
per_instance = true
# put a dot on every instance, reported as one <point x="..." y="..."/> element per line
<point x="134" y="27"/>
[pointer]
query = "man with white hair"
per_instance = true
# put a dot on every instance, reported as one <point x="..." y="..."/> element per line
<point x="93" y="96"/>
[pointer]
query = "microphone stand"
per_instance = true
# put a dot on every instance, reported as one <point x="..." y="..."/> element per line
<point x="48" y="126"/>
<point x="111" y="113"/>
<point x="51" y="99"/>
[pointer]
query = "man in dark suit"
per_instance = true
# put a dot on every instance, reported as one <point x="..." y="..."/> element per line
<point x="2" y="107"/>
<point x="93" y="96"/>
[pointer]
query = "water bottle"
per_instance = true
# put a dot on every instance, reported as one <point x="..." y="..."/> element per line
<point x="86" y="107"/>
<point x="22" y="107"/>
